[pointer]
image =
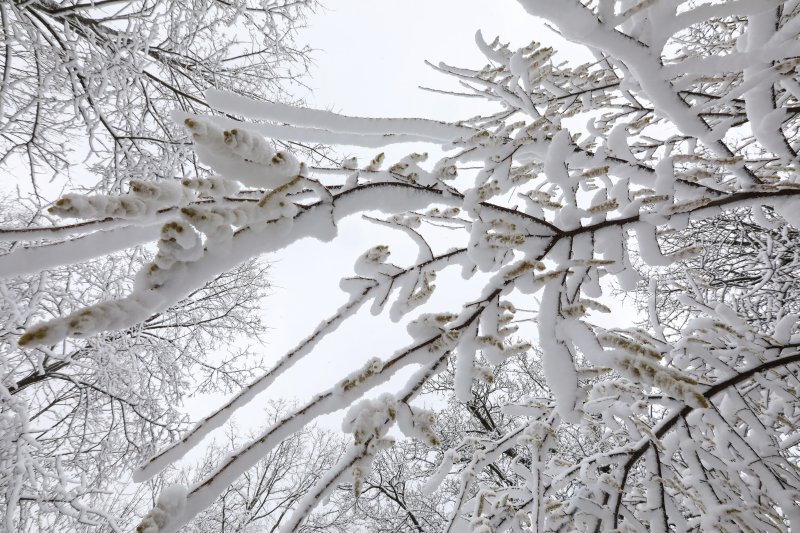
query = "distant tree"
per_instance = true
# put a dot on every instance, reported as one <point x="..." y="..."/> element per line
<point x="260" y="499"/>
<point x="77" y="416"/>
<point x="401" y="493"/>
<point x="111" y="71"/>
<point x="747" y="265"/>
<point x="85" y="91"/>
<point x="688" y="112"/>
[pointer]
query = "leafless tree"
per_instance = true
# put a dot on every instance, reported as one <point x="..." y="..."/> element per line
<point x="687" y="112"/>
<point x="110" y="72"/>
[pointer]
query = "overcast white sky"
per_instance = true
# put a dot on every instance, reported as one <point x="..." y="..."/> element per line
<point x="370" y="54"/>
<point x="370" y="61"/>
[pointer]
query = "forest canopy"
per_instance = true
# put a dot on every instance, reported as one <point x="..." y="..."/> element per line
<point x="662" y="172"/>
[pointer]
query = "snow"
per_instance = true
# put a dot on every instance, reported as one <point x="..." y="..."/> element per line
<point x="765" y="119"/>
<point x="442" y="471"/>
<point x="239" y="154"/>
<point x="169" y="505"/>
<point x="29" y="260"/>
<point x="557" y="359"/>
<point x="465" y="365"/>
<point x="784" y="328"/>
<point x="413" y="128"/>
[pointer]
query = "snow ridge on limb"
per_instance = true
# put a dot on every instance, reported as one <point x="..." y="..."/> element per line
<point x="423" y="129"/>
<point x="28" y="260"/>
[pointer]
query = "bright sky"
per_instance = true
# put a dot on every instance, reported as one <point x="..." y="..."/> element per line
<point x="370" y="57"/>
<point x="370" y="61"/>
